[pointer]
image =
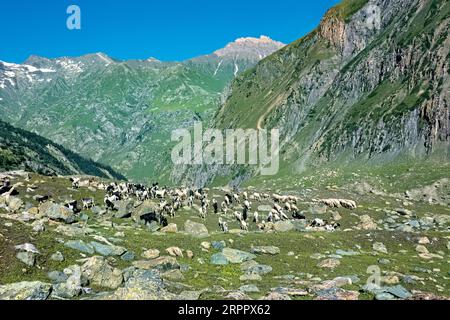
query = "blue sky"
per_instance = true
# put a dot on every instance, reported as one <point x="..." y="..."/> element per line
<point x="170" y="30"/>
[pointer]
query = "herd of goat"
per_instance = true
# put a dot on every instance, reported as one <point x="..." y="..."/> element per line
<point x="239" y="204"/>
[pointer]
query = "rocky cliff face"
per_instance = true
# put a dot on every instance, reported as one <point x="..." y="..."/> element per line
<point x="371" y="83"/>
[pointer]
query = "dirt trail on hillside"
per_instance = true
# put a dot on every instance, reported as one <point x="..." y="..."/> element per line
<point x="274" y="104"/>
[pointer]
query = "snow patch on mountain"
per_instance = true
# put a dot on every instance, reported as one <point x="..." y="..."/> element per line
<point x="71" y="65"/>
<point x="251" y="48"/>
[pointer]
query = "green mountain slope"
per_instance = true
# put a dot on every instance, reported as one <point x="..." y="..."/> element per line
<point x="370" y="85"/>
<point x="20" y="149"/>
<point x="122" y="112"/>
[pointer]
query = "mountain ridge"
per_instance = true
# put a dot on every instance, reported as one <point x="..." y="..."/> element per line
<point x="370" y="82"/>
<point x="23" y="150"/>
<point x="243" y="42"/>
<point x="120" y="113"/>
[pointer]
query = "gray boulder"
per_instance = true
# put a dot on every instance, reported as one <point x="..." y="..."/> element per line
<point x="107" y="250"/>
<point x="35" y="290"/>
<point x="124" y="209"/>
<point x="72" y="287"/>
<point x="265" y="250"/>
<point x="57" y="212"/>
<point x="237" y="256"/>
<point x="146" y="207"/>
<point x="163" y="263"/>
<point x="97" y="270"/>
<point x="142" y="285"/>
<point x="57" y="276"/>
<point x="219" y="259"/>
<point x="196" y="229"/>
<point x="28" y="258"/>
<point x="283" y="226"/>
<point x="80" y="245"/>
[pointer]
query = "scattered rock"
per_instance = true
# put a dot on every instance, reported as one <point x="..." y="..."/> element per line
<point x="35" y="290"/>
<point x="38" y="226"/>
<point x="57" y="256"/>
<point x="124" y="209"/>
<point x="72" y="287"/>
<point x="127" y="256"/>
<point x="265" y="250"/>
<point x="151" y="254"/>
<point x="293" y="292"/>
<point x="399" y="292"/>
<point x="421" y="249"/>
<point x="97" y="270"/>
<point x="250" y="277"/>
<point x="337" y="294"/>
<point x="218" y="245"/>
<point x="173" y="275"/>
<point x="249" y="288"/>
<point x="283" y="226"/>
<point x="390" y="280"/>
<point x="380" y="247"/>
<point x="329" y="263"/>
<point x="170" y="228"/>
<point x="219" y="259"/>
<point x="146" y="207"/>
<point x="14" y="204"/>
<point x="80" y="245"/>
<point x="237" y="295"/>
<point x="57" y="276"/>
<point x="73" y="230"/>
<point x="29" y="258"/>
<point x="259" y="269"/>
<point x="429" y="256"/>
<point x="276" y="296"/>
<point x="367" y="223"/>
<point x="98" y="210"/>
<point x="336" y="216"/>
<point x="237" y="256"/>
<point x="205" y="245"/>
<point x="163" y="263"/>
<point x="384" y="296"/>
<point x="174" y="252"/>
<point x="107" y="250"/>
<point x="342" y="281"/>
<point x="245" y="266"/>
<point x="196" y="229"/>
<point x="27" y="247"/>
<point x="57" y="212"/>
<point x="142" y="285"/>
<point x="346" y="253"/>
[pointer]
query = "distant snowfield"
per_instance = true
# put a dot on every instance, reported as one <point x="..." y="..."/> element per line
<point x="21" y="67"/>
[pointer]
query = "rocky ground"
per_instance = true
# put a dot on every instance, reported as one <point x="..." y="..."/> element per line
<point x="392" y="246"/>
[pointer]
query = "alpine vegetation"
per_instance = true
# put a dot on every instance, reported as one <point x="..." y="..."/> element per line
<point x="317" y="170"/>
<point x="237" y="146"/>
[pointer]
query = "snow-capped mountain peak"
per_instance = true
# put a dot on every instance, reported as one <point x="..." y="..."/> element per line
<point x="251" y="48"/>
